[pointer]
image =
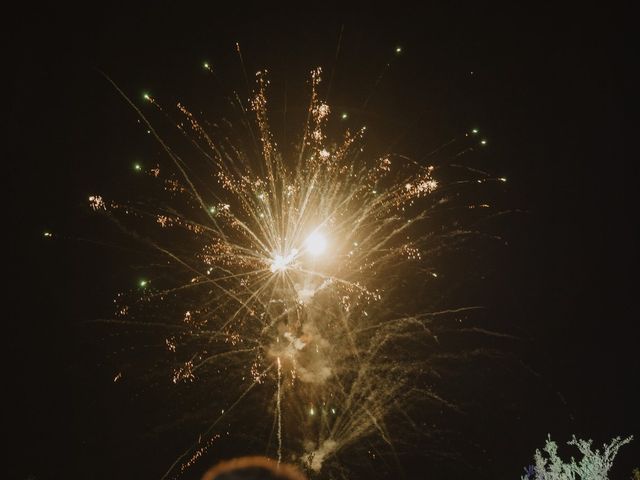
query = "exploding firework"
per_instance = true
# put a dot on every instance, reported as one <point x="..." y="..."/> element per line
<point x="287" y="282"/>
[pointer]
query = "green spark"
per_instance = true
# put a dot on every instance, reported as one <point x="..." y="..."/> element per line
<point x="344" y="115"/>
<point x="474" y="131"/>
<point x="137" y="167"/>
<point x="398" y="50"/>
<point x="143" y="283"/>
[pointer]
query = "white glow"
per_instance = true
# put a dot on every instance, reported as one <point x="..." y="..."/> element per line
<point x="278" y="264"/>
<point x="316" y="243"/>
<point x="281" y="262"/>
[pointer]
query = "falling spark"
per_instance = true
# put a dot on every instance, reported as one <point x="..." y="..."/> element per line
<point x="96" y="202"/>
<point x="279" y="411"/>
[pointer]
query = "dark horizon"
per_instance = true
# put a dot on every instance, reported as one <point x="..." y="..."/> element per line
<point x="544" y="86"/>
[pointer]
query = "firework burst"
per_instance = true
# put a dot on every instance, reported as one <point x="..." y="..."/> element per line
<point x="291" y="277"/>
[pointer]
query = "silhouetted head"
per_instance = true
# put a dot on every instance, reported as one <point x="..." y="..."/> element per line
<point x="253" y="468"/>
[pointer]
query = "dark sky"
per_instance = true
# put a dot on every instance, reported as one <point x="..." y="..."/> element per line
<point x="546" y="90"/>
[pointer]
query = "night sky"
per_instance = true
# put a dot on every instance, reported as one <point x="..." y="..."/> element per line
<point x="545" y="86"/>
